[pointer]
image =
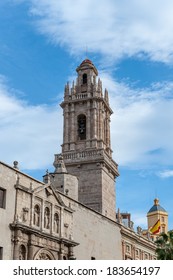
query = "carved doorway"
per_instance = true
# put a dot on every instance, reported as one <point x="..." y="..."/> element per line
<point x="44" y="254"/>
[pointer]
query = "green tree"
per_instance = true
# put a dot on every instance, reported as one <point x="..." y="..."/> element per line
<point x="164" y="244"/>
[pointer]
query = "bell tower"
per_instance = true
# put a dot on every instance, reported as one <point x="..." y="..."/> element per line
<point x="86" y="147"/>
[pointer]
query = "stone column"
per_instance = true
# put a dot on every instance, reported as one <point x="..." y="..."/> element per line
<point x="61" y="253"/>
<point x="42" y="215"/>
<point x="123" y="250"/>
<point x="100" y="125"/>
<point x="94" y="124"/>
<point x="94" y="120"/>
<point x="133" y="252"/>
<point x="99" y="122"/>
<point x="16" y="249"/>
<point x="88" y="125"/>
<point x="66" y="127"/>
<point x="71" y="253"/>
<point x="52" y="219"/>
<point x="30" y="252"/>
<point x="107" y="130"/>
<point x="32" y="210"/>
<point x="109" y="138"/>
<point x="142" y="255"/>
<point x="61" y="222"/>
<point x="72" y="134"/>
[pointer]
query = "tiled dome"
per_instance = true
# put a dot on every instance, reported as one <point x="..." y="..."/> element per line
<point x="156" y="207"/>
<point x="86" y="61"/>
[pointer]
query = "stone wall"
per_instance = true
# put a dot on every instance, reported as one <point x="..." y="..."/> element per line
<point x="98" y="236"/>
<point x="7" y="182"/>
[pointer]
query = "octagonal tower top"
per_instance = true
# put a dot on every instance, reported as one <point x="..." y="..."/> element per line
<point x="87" y="64"/>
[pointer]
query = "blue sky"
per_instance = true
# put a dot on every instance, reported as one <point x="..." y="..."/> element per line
<point x="41" y="44"/>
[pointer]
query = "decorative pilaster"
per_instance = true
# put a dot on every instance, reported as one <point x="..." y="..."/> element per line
<point x="61" y="253"/>
<point x="107" y="129"/>
<point x="66" y="128"/>
<point x="42" y="215"/>
<point x="71" y="253"/>
<point x="72" y="134"/>
<point x="88" y="136"/>
<point x="61" y="222"/>
<point x="16" y="249"/>
<point x="94" y="133"/>
<point x="30" y="252"/>
<point x="52" y="219"/>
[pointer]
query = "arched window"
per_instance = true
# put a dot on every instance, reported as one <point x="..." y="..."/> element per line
<point x="56" y="223"/>
<point x="82" y="127"/>
<point x="46" y="218"/>
<point x="22" y="252"/>
<point x="84" y="79"/>
<point x="37" y="215"/>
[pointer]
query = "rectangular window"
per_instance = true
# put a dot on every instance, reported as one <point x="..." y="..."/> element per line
<point x="1" y="253"/>
<point x="128" y="248"/>
<point x="2" y="198"/>
<point x="163" y="229"/>
<point x="137" y="253"/>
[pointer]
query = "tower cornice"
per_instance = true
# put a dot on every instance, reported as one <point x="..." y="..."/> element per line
<point x="79" y="99"/>
<point x="88" y="156"/>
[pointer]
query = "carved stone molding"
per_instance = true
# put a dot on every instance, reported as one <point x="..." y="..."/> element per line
<point x="44" y="254"/>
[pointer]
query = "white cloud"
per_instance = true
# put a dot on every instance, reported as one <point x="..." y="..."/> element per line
<point x="29" y="134"/>
<point x="166" y="174"/>
<point x="141" y="125"/>
<point x="112" y="28"/>
<point x="139" y="219"/>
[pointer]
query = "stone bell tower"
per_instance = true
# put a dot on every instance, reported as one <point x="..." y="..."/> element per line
<point x="86" y="147"/>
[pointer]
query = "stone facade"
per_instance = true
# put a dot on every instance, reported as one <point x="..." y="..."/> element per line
<point x="40" y="222"/>
<point x="35" y="220"/>
<point x="135" y="246"/>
